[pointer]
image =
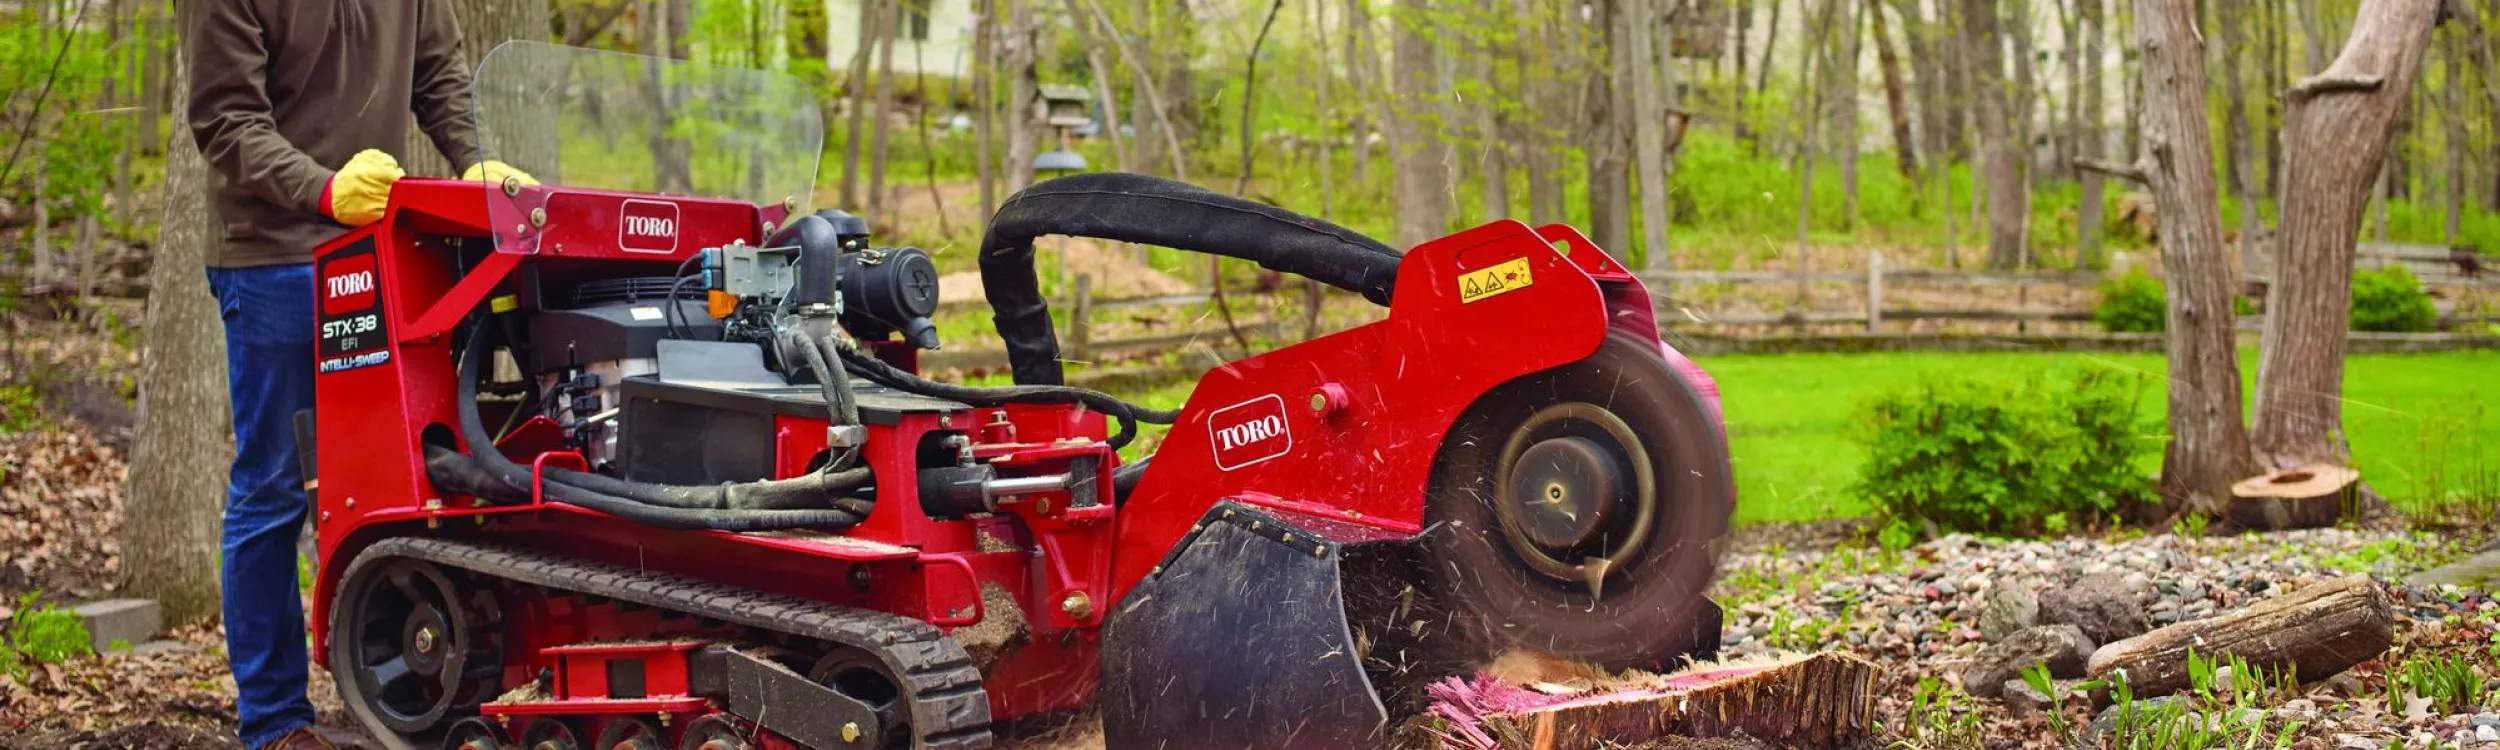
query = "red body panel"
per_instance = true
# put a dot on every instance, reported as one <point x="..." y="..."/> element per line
<point x="1342" y="428"/>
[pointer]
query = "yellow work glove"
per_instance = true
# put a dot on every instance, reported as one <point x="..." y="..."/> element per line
<point x="493" y="172"/>
<point x="358" y="192"/>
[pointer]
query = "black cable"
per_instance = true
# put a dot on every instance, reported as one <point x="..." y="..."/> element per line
<point x="673" y="314"/>
<point x="1126" y="414"/>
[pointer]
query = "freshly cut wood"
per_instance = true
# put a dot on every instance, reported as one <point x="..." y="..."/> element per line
<point x="2302" y="498"/>
<point x="1810" y="701"/>
<point x="2317" y="632"/>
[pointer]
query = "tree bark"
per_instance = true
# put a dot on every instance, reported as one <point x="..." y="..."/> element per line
<point x="1744" y="113"/>
<point x="2469" y="16"/>
<point x="1649" y="130"/>
<point x="1611" y="147"/>
<point x="1809" y="73"/>
<point x="1762" y="70"/>
<point x="1538" y="153"/>
<point x="484" y="24"/>
<point x="2454" y="144"/>
<point x="985" y="103"/>
<point x="1024" y="95"/>
<point x="2336" y="137"/>
<point x="2315" y="632"/>
<point x="1904" y="143"/>
<point x="2092" y="140"/>
<point x="2009" y="196"/>
<point x="1843" y="103"/>
<point x="2208" y="448"/>
<point x="855" y="90"/>
<point x="1423" y="202"/>
<point x="184" y="435"/>
<point x="881" y="131"/>
<point x="2229" y="37"/>
<point x="1492" y="140"/>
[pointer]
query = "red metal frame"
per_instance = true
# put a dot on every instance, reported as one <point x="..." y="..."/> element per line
<point x="1362" y="416"/>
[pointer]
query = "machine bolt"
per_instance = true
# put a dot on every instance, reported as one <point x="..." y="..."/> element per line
<point x="434" y="504"/>
<point x="538" y="216"/>
<point x="850" y="731"/>
<point x="325" y="516"/>
<point x="1077" y="605"/>
<point x="425" y="640"/>
<point x="768" y="227"/>
<point x="511" y="185"/>
<point x="1319" y="402"/>
<point x="351" y="502"/>
<point x="790" y="203"/>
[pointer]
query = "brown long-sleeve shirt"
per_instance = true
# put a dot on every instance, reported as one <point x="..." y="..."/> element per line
<point x="283" y="92"/>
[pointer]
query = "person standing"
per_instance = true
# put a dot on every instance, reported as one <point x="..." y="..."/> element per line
<point x="292" y="103"/>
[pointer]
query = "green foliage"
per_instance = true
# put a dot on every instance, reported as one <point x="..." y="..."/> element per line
<point x="17" y="408"/>
<point x="1998" y="456"/>
<point x="1941" y="717"/>
<point x="2391" y="299"/>
<point x="2192" y="524"/>
<point x="2132" y="303"/>
<point x="2450" y="682"/>
<point x="2214" y="712"/>
<point x="75" y="141"/>
<point x="40" y="635"/>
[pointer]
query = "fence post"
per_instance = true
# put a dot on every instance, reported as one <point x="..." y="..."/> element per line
<point x="1874" y="291"/>
<point x="1080" y="318"/>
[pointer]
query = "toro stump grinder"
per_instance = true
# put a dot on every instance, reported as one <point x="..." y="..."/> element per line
<point x="651" y="471"/>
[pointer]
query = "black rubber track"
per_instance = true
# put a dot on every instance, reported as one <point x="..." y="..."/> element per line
<point x="949" y="710"/>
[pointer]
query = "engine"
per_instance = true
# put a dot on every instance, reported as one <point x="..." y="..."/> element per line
<point x="741" y="315"/>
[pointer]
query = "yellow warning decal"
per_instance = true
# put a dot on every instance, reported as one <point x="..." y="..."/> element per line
<point x="1476" y="285"/>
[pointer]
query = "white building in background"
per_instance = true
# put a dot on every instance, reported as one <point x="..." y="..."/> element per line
<point x="935" y="36"/>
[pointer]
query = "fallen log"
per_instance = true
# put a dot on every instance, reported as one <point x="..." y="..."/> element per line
<point x="2317" y="632"/>
<point x="1811" y="701"/>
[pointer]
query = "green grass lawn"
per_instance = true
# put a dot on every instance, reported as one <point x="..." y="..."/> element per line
<point x="2417" y="422"/>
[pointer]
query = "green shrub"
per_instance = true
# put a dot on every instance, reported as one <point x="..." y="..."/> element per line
<point x="2391" y="300"/>
<point x="39" y="635"/>
<point x="17" y="408"/>
<point x="2132" y="304"/>
<point x="2000" y="455"/>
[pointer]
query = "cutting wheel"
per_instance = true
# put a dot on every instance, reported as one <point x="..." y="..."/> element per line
<point x="1575" y="511"/>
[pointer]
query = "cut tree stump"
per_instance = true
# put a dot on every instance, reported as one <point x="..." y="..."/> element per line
<point x="2303" y="498"/>
<point x="1811" y="701"/>
<point x="2317" y="632"/>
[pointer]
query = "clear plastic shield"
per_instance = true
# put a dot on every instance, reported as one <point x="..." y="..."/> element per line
<point x="593" y="119"/>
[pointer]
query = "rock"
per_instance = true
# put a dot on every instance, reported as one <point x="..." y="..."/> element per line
<point x="2354" y="742"/>
<point x="2298" y="709"/>
<point x="2344" y="683"/>
<point x="2105" y="724"/>
<point x="2010" y="610"/>
<point x="2486" y="734"/>
<point x="2106" y="606"/>
<point x="2023" y="702"/>
<point x="2487" y="720"/>
<point x="2064" y="648"/>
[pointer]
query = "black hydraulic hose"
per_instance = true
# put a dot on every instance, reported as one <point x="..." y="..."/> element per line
<point x="484" y="456"/>
<point x="1125" y="413"/>
<point x="1155" y="211"/>
<point x="835" y="381"/>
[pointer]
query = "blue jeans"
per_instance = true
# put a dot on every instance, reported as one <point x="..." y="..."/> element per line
<point x="268" y="313"/>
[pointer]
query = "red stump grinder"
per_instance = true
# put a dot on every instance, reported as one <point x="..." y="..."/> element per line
<point x="652" y="471"/>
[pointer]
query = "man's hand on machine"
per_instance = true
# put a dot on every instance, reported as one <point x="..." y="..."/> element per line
<point x="359" y="190"/>
<point x="494" y="172"/>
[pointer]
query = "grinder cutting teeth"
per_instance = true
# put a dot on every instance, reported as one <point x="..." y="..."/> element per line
<point x="566" y="495"/>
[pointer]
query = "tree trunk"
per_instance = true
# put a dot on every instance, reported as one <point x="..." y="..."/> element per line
<point x="1423" y="200"/>
<point x="2232" y="38"/>
<point x="2487" y="67"/>
<point x="2453" y="145"/>
<point x="985" y="104"/>
<point x="184" y="435"/>
<point x="1649" y="129"/>
<point x="1492" y="143"/>
<point x="484" y="25"/>
<point x="2208" y="448"/>
<point x="1024" y="95"/>
<point x="1539" y="154"/>
<point x="1843" y="103"/>
<point x="2009" y="197"/>
<point x="1904" y="143"/>
<point x="855" y="90"/>
<point x="1810" y="74"/>
<point x="2336" y="136"/>
<point x="1762" y="70"/>
<point x="2091" y="140"/>
<point x="1362" y="60"/>
<point x="2322" y="629"/>
<point x="1610" y="147"/>
<point x="1744" y="26"/>
<point x="882" y="130"/>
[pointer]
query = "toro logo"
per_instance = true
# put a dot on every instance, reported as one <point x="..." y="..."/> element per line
<point x="348" y="285"/>
<point x="1249" y="432"/>
<point x="647" y="227"/>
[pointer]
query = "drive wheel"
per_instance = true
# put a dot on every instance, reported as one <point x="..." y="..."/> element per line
<point x="1574" y="512"/>
<point x="404" y="646"/>
<point x="630" y="734"/>
<point x="550" y="734"/>
<point x="475" y="733"/>
<point x="712" y="733"/>
<point x="863" y="677"/>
